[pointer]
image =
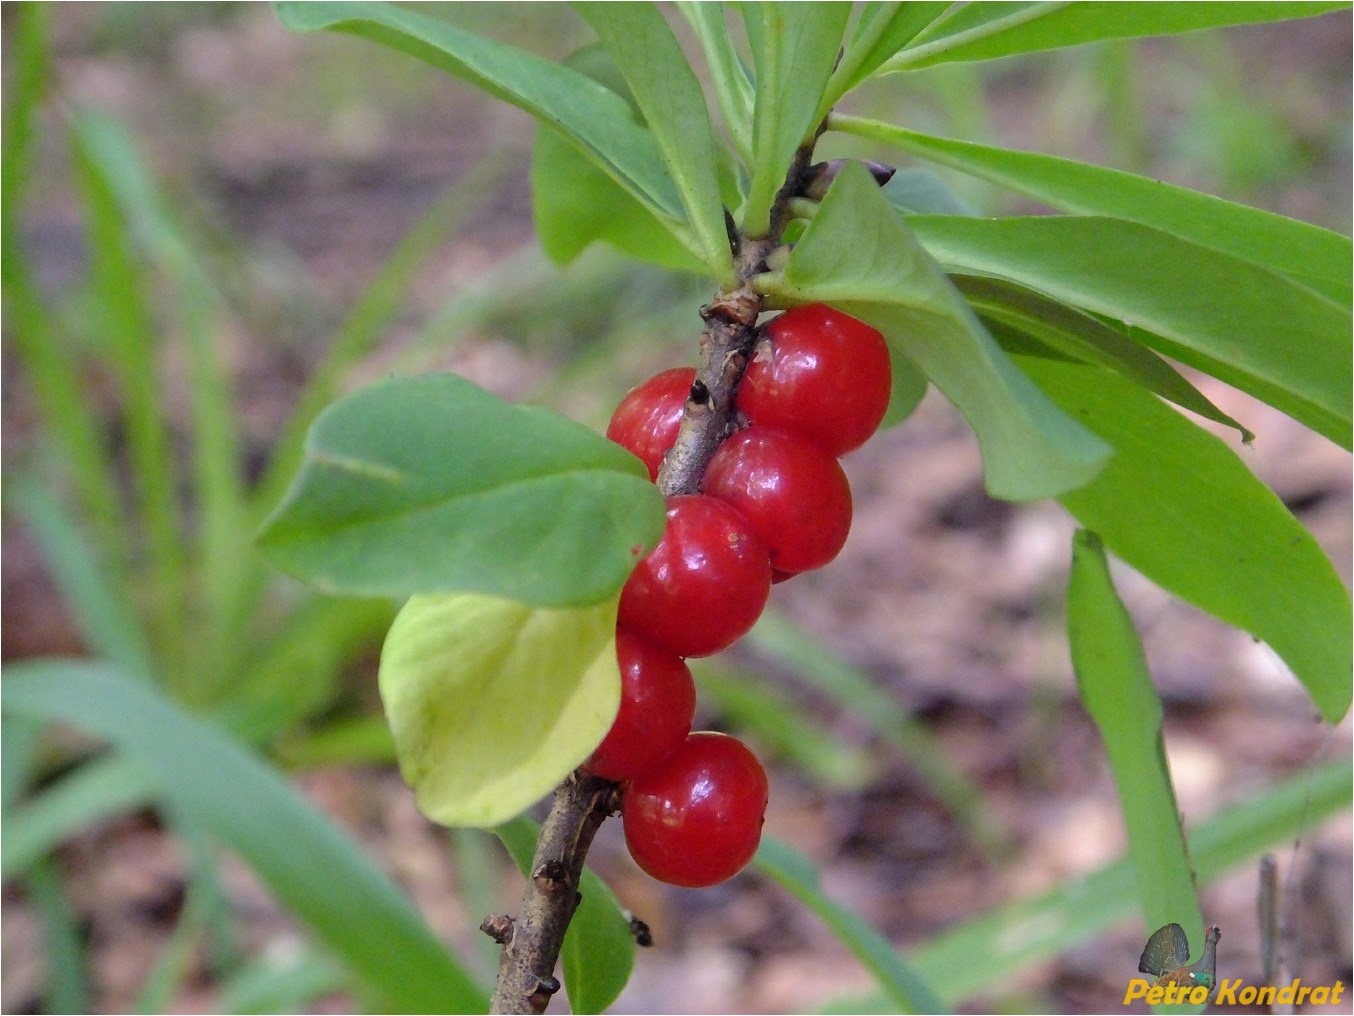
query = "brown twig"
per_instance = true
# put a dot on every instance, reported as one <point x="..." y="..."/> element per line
<point x="532" y="942"/>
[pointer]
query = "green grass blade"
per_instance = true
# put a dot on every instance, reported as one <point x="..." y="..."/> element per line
<point x="68" y="988"/>
<point x="309" y="864"/>
<point x="1015" y="936"/>
<point x="20" y="753"/>
<point x="97" y="790"/>
<point x="905" y="987"/>
<point x="29" y="323"/>
<point x="779" y="639"/>
<point x="278" y="985"/>
<point x="1313" y="256"/>
<point x="107" y="624"/>
<point x="1116" y="689"/>
<point x="129" y="335"/>
<point x="141" y="211"/>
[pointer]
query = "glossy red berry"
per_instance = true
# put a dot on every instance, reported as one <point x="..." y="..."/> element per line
<point x="821" y="374"/>
<point x="704" y="585"/>
<point x="658" y="701"/>
<point x="648" y="418"/>
<point x="793" y="493"/>
<point x="696" y="819"/>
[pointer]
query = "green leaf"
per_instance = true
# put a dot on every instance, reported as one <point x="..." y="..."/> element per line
<point x="286" y="983"/>
<point x="311" y="867"/>
<point x="1069" y="332"/>
<point x="1116" y="689"/>
<point x="670" y="99"/>
<point x="985" y="31"/>
<point x="599" y="950"/>
<point x="904" y="986"/>
<point x="493" y="702"/>
<point x="63" y="942"/>
<point x="859" y="256"/>
<point x="794" y="46"/>
<point x="881" y="30"/>
<point x="574" y="202"/>
<point x="1244" y="324"/>
<point x="1179" y="506"/>
<point x="589" y="115"/>
<point x="1315" y="257"/>
<point x="728" y="75"/>
<point x="431" y="484"/>
<point x="1015" y="936"/>
<point x="919" y="191"/>
<point x="86" y="796"/>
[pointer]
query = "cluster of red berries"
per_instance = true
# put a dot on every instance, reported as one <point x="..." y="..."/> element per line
<point x="774" y="503"/>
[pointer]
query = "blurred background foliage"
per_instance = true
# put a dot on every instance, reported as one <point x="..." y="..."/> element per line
<point x="212" y="227"/>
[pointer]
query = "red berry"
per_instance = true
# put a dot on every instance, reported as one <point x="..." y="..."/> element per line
<point x="823" y="374"/>
<point x="648" y="418"/>
<point x="793" y="493"/>
<point x="658" y="702"/>
<point x="704" y="585"/>
<point x="696" y="819"/>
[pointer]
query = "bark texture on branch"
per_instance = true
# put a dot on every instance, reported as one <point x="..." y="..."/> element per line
<point x="532" y="941"/>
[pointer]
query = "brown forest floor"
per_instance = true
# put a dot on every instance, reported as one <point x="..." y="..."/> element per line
<point x="949" y="599"/>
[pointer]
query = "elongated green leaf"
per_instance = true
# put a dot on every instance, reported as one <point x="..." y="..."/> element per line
<point x="290" y="983"/>
<point x="904" y="986"/>
<point x="493" y="702"/>
<point x="599" y="950"/>
<point x="733" y="88"/>
<point x="1089" y="339"/>
<point x="431" y="484"/>
<point x="1116" y="689"/>
<point x="575" y="203"/>
<point x="309" y="865"/>
<point x="96" y="791"/>
<point x="67" y="981"/>
<point x="1247" y="325"/>
<point x="115" y="164"/>
<point x="794" y="46"/>
<point x="107" y="622"/>
<point x="1179" y="506"/>
<point x="1311" y="255"/>
<point x="592" y="117"/>
<point x="984" y="31"/>
<point x="670" y="99"/>
<point x="1015" y="936"/>
<point x="859" y="256"/>
<point x="881" y="30"/>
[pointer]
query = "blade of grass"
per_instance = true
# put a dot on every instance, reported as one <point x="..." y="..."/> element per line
<point x="778" y="638"/>
<point x="108" y="626"/>
<point x="20" y="750"/>
<point x="231" y="794"/>
<point x="126" y="184"/>
<point x="128" y="331"/>
<point x="276" y="985"/>
<point x="96" y="790"/>
<point x="905" y="987"/>
<point x="1116" y="689"/>
<point x="67" y="984"/>
<point x="1011" y="937"/>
